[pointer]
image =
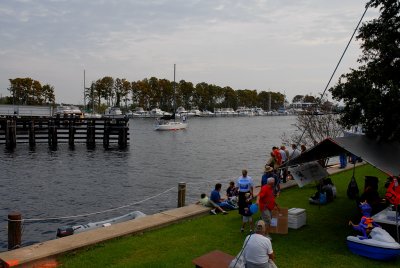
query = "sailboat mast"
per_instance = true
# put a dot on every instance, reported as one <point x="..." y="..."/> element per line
<point x="174" y="106"/>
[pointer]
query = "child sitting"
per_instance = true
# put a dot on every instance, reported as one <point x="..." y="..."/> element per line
<point x="247" y="216"/>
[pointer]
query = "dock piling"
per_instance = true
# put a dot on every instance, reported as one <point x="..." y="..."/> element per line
<point x="14" y="230"/>
<point x="181" y="194"/>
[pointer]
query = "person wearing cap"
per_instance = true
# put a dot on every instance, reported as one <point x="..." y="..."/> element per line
<point x="266" y="202"/>
<point x="268" y="173"/>
<point x="245" y="185"/>
<point x="258" y="248"/>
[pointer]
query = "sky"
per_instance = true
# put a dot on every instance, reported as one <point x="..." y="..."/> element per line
<point x="286" y="46"/>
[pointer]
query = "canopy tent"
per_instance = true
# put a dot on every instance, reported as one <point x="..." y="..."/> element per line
<point x="383" y="155"/>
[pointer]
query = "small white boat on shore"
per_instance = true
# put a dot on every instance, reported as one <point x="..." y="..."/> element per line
<point x="70" y="230"/>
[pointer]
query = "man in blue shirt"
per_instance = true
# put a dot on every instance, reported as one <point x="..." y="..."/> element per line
<point x="216" y="198"/>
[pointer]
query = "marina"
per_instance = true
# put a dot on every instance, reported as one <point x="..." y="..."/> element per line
<point x="82" y="181"/>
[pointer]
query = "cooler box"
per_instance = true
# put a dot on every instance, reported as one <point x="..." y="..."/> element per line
<point x="296" y="218"/>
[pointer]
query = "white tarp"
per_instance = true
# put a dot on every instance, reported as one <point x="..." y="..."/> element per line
<point x="308" y="172"/>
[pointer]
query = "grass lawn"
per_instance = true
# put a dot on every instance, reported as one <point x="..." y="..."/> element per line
<point x="321" y="243"/>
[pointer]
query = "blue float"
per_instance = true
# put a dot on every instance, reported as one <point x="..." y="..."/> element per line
<point x="253" y="208"/>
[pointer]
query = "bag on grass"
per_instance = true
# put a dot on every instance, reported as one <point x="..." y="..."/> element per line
<point x="352" y="189"/>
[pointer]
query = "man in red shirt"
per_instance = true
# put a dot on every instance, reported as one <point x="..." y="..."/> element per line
<point x="266" y="203"/>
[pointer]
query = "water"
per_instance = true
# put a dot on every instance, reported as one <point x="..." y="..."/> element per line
<point x="43" y="184"/>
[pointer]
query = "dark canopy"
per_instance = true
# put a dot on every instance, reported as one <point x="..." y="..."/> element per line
<point x="383" y="155"/>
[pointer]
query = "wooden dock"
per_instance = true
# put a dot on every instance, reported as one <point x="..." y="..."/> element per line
<point x="55" y="130"/>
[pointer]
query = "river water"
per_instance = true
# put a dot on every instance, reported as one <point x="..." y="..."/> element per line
<point x="55" y="188"/>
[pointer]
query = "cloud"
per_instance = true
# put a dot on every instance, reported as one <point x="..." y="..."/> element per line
<point x="239" y="43"/>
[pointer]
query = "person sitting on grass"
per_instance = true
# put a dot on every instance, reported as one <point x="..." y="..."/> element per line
<point x="205" y="201"/>
<point x="216" y="198"/>
<point x="247" y="215"/>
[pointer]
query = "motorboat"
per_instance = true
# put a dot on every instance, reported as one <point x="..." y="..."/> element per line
<point x="181" y="112"/>
<point x="381" y="245"/>
<point x="157" y="112"/>
<point x="259" y="111"/>
<point x="224" y="112"/>
<point x="206" y="113"/>
<point x="194" y="112"/>
<point x="140" y="112"/>
<point x="244" y="111"/>
<point x="114" y="112"/>
<point x="70" y="230"/>
<point x="68" y="112"/>
<point x="171" y="125"/>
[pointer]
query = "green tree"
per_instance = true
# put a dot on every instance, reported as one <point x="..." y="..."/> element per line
<point x="371" y="92"/>
<point x="26" y="91"/>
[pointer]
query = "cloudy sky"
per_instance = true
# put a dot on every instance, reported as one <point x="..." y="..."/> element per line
<point x="289" y="46"/>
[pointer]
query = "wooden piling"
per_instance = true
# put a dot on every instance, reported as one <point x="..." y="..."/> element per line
<point x="32" y="141"/>
<point x="181" y="194"/>
<point x="71" y="133"/>
<point x="14" y="230"/>
<point x="106" y="135"/>
<point x="53" y="135"/>
<point x="11" y="134"/>
<point x="91" y="134"/>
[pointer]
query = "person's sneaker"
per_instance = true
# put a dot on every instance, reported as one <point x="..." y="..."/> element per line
<point x="241" y="230"/>
<point x="224" y="212"/>
<point x="213" y="212"/>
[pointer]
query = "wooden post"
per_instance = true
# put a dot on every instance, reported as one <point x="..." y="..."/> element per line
<point x="14" y="230"/>
<point x="32" y="141"/>
<point x="91" y="134"/>
<point x="106" y="134"/>
<point x="11" y="134"/>
<point x="71" y="136"/>
<point x="123" y="137"/>
<point x="53" y="136"/>
<point x="181" y="194"/>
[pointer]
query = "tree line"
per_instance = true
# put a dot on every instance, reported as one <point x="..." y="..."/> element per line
<point x="164" y="94"/>
<point x="27" y="91"/>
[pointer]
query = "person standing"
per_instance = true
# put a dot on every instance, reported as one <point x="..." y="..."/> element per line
<point x="295" y="152"/>
<point x="266" y="203"/>
<point x="258" y="248"/>
<point x="245" y="185"/>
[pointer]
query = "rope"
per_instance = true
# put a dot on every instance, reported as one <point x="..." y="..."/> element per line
<point x="330" y="79"/>
<point x="107" y="210"/>
<point x="94" y="213"/>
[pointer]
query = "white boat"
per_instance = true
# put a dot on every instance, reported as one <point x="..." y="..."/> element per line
<point x="171" y="125"/>
<point x="194" y="112"/>
<point x="206" y="113"/>
<point x="259" y="111"/>
<point x="157" y="112"/>
<point x="68" y="112"/>
<point x="92" y="115"/>
<point x="381" y="246"/>
<point x="244" y="111"/>
<point x="140" y="112"/>
<point x="70" y="230"/>
<point x="224" y="112"/>
<point x="114" y="112"/>
<point x="181" y="111"/>
<point x="168" y="122"/>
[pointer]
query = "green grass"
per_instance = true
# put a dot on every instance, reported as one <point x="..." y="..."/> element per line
<point x="321" y="243"/>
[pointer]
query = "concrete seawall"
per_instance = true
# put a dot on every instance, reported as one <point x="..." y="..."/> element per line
<point x="32" y="256"/>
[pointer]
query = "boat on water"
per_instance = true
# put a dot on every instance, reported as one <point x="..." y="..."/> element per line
<point x="70" y="230"/>
<point x="381" y="245"/>
<point x="114" y="112"/>
<point x="168" y="122"/>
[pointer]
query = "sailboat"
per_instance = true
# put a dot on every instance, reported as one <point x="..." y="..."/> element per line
<point x="168" y="122"/>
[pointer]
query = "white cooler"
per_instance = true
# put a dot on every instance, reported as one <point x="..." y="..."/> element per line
<point x="296" y="218"/>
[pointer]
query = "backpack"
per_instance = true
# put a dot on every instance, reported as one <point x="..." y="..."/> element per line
<point x="352" y="189"/>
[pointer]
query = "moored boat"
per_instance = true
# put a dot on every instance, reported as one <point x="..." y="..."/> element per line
<point x="70" y="230"/>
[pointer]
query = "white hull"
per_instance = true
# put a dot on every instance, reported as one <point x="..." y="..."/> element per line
<point x="171" y="126"/>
